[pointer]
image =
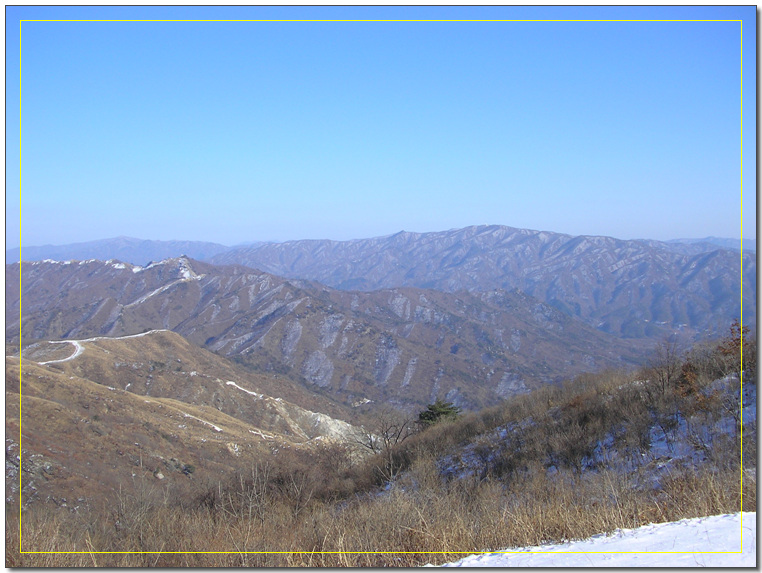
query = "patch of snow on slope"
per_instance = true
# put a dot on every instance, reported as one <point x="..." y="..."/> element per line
<point x="183" y="265"/>
<point x="719" y="541"/>
<point x="244" y="389"/>
<point x="326" y="427"/>
<point x="159" y="290"/>
<point x="216" y="428"/>
<point x="262" y="434"/>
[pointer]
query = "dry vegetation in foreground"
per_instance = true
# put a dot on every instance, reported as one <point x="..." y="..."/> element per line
<point x="602" y="452"/>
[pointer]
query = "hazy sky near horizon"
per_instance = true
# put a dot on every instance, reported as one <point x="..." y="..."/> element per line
<point x="242" y="131"/>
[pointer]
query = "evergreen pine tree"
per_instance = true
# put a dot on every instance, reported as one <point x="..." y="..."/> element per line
<point x="439" y="410"/>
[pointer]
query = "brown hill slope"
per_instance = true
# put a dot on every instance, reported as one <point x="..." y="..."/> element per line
<point x="89" y="416"/>
<point x="405" y="346"/>
<point x="162" y="364"/>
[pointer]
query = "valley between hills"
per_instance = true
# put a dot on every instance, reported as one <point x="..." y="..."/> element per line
<point x="310" y="361"/>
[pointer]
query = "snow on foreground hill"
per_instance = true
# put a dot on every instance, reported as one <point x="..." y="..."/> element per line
<point x="700" y="542"/>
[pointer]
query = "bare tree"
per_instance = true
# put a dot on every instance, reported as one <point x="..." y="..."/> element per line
<point x="389" y="427"/>
<point x="666" y="364"/>
<point x="661" y="391"/>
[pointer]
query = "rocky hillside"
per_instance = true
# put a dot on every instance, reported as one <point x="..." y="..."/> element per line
<point x="627" y="288"/>
<point x="406" y="346"/>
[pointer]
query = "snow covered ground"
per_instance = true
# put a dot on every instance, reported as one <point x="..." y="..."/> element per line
<point x="701" y="542"/>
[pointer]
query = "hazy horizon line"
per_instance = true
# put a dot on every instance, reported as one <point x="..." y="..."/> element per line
<point x="247" y="242"/>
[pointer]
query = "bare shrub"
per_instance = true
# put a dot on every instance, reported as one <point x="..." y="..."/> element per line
<point x="388" y="428"/>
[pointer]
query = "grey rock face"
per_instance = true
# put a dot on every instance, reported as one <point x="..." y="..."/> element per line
<point x="291" y="338"/>
<point x="318" y="369"/>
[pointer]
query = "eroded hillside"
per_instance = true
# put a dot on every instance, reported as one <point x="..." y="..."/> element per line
<point x="406" y="346"/>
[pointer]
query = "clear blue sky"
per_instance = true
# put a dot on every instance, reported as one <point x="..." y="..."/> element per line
<point x="242" y="131"/>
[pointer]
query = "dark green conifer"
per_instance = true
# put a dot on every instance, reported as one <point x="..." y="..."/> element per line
<point x="439" y="410"/>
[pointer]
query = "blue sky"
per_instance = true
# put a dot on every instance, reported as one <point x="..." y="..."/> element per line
<point x="242" y="131"/>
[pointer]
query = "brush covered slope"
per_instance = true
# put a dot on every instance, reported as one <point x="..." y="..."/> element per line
<point x="629" y="288"/>
<point x="406" y="346"/>
<point x="602" y="452"/>
<point x="84" y="418"/>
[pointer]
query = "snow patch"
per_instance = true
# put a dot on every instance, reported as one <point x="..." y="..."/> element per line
<point x="510" y="385"/>
<point x="387" y="358"/>
<point x="230" y="383"/>
<point x="400" y="305"/>
<point x="216" y="428"/>
<point x="318" y="369"/>
<point x="291" y="335"/>
<point x="409" y="371"/>
<point x="719" y="541"/>
<point x="329" y="329"/>
<point x="262" y="434"/>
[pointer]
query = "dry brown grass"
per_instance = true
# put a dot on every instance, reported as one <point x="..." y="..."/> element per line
<point x="409" y="526"/>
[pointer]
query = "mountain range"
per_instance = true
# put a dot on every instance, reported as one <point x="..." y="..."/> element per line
<point x="126" y="249"/>
<point x="173" y="367"/>
<point x="632" y="289"/>
<point x="707" y="243"/>
<point x="143" y="252"/>
<point x="405" y="346"/>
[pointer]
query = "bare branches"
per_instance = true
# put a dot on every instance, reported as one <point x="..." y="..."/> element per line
<point x="388" y="428"/>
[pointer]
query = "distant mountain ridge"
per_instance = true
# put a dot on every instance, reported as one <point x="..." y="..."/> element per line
<point x="708" y="242"/>
<point x="627" y="288"/>
<point x="125" y="249"/>
<point x="144" y="251"/>
<point x="635" y="289"/>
